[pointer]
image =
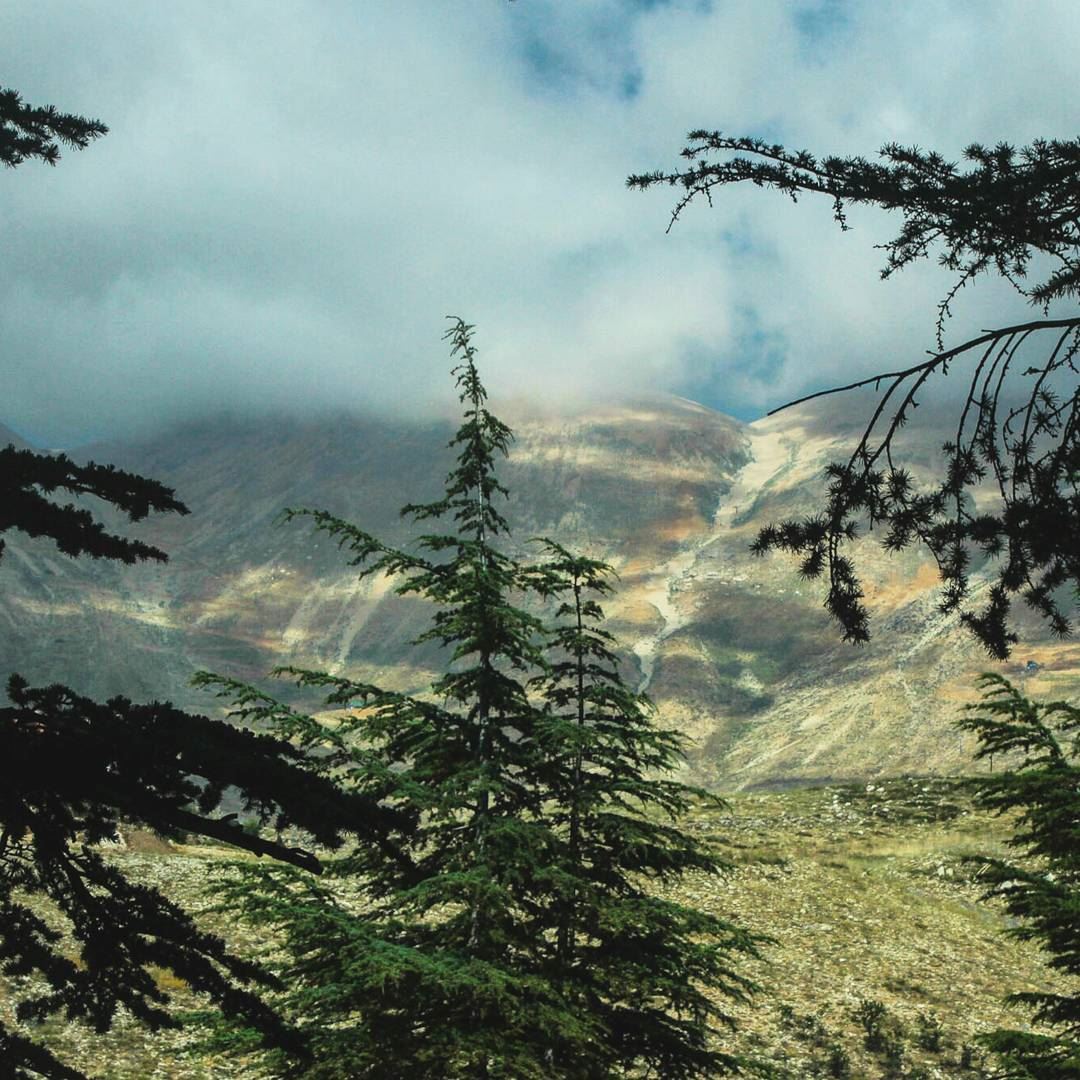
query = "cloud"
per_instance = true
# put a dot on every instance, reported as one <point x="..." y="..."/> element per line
<point x="293" y="196"/>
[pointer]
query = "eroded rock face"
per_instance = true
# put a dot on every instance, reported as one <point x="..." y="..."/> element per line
<point x="736" y="651"/>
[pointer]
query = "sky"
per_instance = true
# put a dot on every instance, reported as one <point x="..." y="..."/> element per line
<point x="293" y="195"/>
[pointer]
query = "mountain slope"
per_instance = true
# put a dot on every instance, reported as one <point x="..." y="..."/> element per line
<point x="736" y="651"/>
<point x="756" y="671"/>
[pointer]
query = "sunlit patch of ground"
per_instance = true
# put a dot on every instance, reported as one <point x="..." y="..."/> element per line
<point x="864" y="886"/>
<point x="899" y="589"/>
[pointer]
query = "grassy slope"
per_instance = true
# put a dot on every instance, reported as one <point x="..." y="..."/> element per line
<point x="863" y="888"/>
<point x="870" y="900"/>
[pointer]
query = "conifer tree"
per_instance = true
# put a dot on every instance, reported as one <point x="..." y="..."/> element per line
<point x="1012" y="214"/>
<point x="36" y="131"/>
<point x="632" y="959"/>
<point x="515" y="938"/>
<point x="431" y="973"/>
<point x="1041" y="742"/>
<point x="72" y="769"/>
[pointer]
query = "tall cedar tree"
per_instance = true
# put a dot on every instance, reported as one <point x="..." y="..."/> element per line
<point x="624" y="954"/>
<point x="72" y="768"/>
<point x="516" y="940"/>
<point x="1042" y="783"/>
<point x="1018" y="425"/>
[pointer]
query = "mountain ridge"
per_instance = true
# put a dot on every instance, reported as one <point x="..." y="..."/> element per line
<point x="735" y="650"/>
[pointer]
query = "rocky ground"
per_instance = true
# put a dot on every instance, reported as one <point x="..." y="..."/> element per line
<point x="886" y="963"/>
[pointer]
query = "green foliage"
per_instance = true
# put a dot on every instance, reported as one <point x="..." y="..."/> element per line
<point x="929" y="1032"/>
<point x="882" y="1035"/>
<point x="970" y="1056"/>
<point x="838" y="1063"/>
<point x="72" y="768"/>
<point x="518" y="928"/>
<point x="870" y="1016"/>
<point x="1018" y="428"/>
<point x="892" y="1054"/>
<point x="1041" y="745"/>
<point x="27" y="478"/>
<point x="29" y="131"/>
<point x="600" y="755"/>
<point x="809" y="1029"/>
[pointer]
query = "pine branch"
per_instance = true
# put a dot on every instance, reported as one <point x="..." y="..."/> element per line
<point x="992" y="218"/>
<point x="26" y="478"/>
<point x="28" y="131"/>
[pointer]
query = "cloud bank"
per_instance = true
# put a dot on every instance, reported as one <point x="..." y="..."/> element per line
<point x="293" y="196"/>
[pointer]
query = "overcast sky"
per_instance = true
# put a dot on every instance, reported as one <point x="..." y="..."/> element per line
<point x="293" y="195"/>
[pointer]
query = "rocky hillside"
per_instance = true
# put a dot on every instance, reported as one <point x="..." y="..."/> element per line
<point x="748" y="662"/>
<point x="736" y="651"/>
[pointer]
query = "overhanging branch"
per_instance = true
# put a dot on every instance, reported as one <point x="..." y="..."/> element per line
<point x="935" y="360"/>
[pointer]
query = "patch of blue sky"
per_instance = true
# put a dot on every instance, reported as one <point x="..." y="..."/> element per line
<point x="773" y="131"/>
<point x="737" y="242"/>
<point x="737" y="379"/>
<point x="762" y="353"/>
<point x="701" y="7"/>
<point x="631" y="84"/>
<point x="821" y="23"/>
<point x="603" y="61"/>
<point x="745" y="244"/>
<point x="549" y="66"/>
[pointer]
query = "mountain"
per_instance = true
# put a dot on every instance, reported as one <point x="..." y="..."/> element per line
<point x="10" y="438"/>
<point x="735" y="650"/>
<point x="750" y="665"/>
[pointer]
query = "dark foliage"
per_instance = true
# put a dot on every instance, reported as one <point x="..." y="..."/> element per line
<point x="27" y="478"/>
<point x="71" y="769"/>
<point x="37" y="131"/>
<point x="635" y="961"/>
<point x="1018" y="429"/>
<point x="1041" y="745"/>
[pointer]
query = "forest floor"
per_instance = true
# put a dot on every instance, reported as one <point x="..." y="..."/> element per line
<point x="877" y="920"/>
